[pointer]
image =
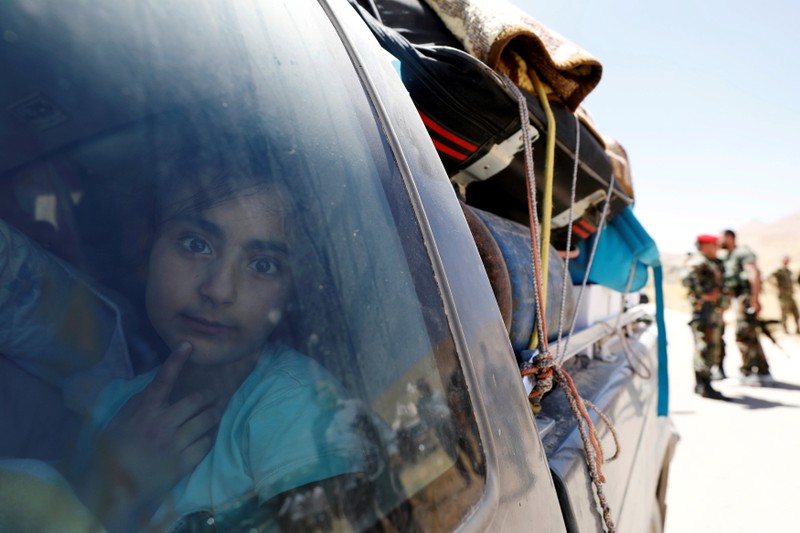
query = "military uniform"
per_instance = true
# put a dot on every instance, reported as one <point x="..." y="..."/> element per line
<point x="738" y="285"/>
<point x="724" y="305"/>
<point x="704" y="282"/>
<point x="783" y="280"/>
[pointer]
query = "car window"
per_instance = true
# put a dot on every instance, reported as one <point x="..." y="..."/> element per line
<point x="217" y="305"/>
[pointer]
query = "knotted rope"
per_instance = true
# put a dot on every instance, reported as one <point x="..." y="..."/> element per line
<point x="543" y="368"/>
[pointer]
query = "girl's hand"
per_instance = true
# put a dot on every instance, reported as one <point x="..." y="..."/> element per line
<point x="150" y="445"/>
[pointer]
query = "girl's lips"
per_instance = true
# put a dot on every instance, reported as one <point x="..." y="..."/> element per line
<point x="207" y="327"/>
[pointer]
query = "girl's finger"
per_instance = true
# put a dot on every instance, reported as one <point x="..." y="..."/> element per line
<point x="184" y="409"/>
<point x="195" y="428"/>
<point x="160" y="388"/>
<point x="191" y="456"/>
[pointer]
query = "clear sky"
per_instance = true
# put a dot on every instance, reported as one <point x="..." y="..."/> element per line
<point x="704" y="97"/>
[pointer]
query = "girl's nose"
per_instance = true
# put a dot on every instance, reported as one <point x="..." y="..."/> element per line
<point x="219" y="283"/>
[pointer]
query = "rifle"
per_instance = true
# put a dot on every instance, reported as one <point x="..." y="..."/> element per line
<point x="704" y="316"/>
<point x="763" y="325"/>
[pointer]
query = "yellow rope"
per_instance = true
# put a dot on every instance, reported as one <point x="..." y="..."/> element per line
<point x="547" y="200"/>
<point x="543" y="368"/>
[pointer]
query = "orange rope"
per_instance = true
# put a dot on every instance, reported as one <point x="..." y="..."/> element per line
<point x="543" y="373"/>
<point x="543" y="366"/>
<point x="592" y="431"/>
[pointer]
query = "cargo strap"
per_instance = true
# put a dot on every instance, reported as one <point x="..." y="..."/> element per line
<point x="497" y="158"/>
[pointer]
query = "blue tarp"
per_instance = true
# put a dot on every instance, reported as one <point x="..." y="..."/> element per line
<point x="622" y="242"/>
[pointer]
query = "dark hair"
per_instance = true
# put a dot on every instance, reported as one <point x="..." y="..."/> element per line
<point x="729" y="233"/>
<point x="199" y="175"/>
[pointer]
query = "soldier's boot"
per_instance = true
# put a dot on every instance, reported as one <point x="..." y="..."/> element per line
<point x="698" y="383"/>
<point x="704" y="388"/>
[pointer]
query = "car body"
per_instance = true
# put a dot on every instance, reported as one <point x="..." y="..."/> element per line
<point x="394" y="297"/>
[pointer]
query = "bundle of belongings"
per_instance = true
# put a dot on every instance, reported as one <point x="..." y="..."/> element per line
<point x="453" y="55"/>
<point x="465" y="64"/>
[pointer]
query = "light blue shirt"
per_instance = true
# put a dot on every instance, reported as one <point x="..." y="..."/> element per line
<point x="275" y="435"/>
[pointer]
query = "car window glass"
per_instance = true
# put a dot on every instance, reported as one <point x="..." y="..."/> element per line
<point x="218" y="307"/>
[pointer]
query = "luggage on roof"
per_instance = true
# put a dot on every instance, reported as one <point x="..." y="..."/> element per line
<point x="474" y="122"/>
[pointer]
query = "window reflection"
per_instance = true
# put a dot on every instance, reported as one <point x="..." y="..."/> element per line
<point x="222" y="317"/>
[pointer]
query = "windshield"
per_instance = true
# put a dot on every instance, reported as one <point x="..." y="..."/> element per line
<point x="217" y="307"/>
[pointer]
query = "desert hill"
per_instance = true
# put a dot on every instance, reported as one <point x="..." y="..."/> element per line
<point x="772" y="241"/>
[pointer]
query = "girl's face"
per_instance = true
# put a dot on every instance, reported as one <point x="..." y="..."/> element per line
<point x="219" y="278"/>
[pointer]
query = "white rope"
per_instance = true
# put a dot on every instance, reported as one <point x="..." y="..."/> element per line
<point x="634" y="360"/>
<point x="565" y="280"/>
<point x="592" y="459"/>
<point x="530" y="180"/>
<point x="597" y="236"/>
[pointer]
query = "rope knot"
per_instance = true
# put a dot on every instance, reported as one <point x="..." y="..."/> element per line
<point x="540" y="368"/>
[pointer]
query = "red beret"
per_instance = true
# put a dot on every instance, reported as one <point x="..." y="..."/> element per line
<point x="707" y="238"/>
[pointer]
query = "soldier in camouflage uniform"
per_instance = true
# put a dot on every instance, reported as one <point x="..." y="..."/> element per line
<point x="704" y="282"/>
<point x="782" y="278"/>
<point x="718" y="371"/>
<point x="743" y="281"/>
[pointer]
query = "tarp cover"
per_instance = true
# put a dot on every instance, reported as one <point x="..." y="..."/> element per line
<point x="622" y="243"/>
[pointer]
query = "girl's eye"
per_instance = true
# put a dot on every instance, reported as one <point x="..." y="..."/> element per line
<point x="264" y="265"/>
<point x="196" y="245"/>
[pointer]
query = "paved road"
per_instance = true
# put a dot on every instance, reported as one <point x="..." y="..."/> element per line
<point x="737" y="465"/>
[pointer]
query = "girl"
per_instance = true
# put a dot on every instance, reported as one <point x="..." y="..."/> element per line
<point x="231" y="415"/>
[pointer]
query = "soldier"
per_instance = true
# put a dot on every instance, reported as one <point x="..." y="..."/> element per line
<point x="782" y="278"/>
<point x="704" y="282"/>
<point x="743" y="281"/>
<point x="718" y="370"/>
